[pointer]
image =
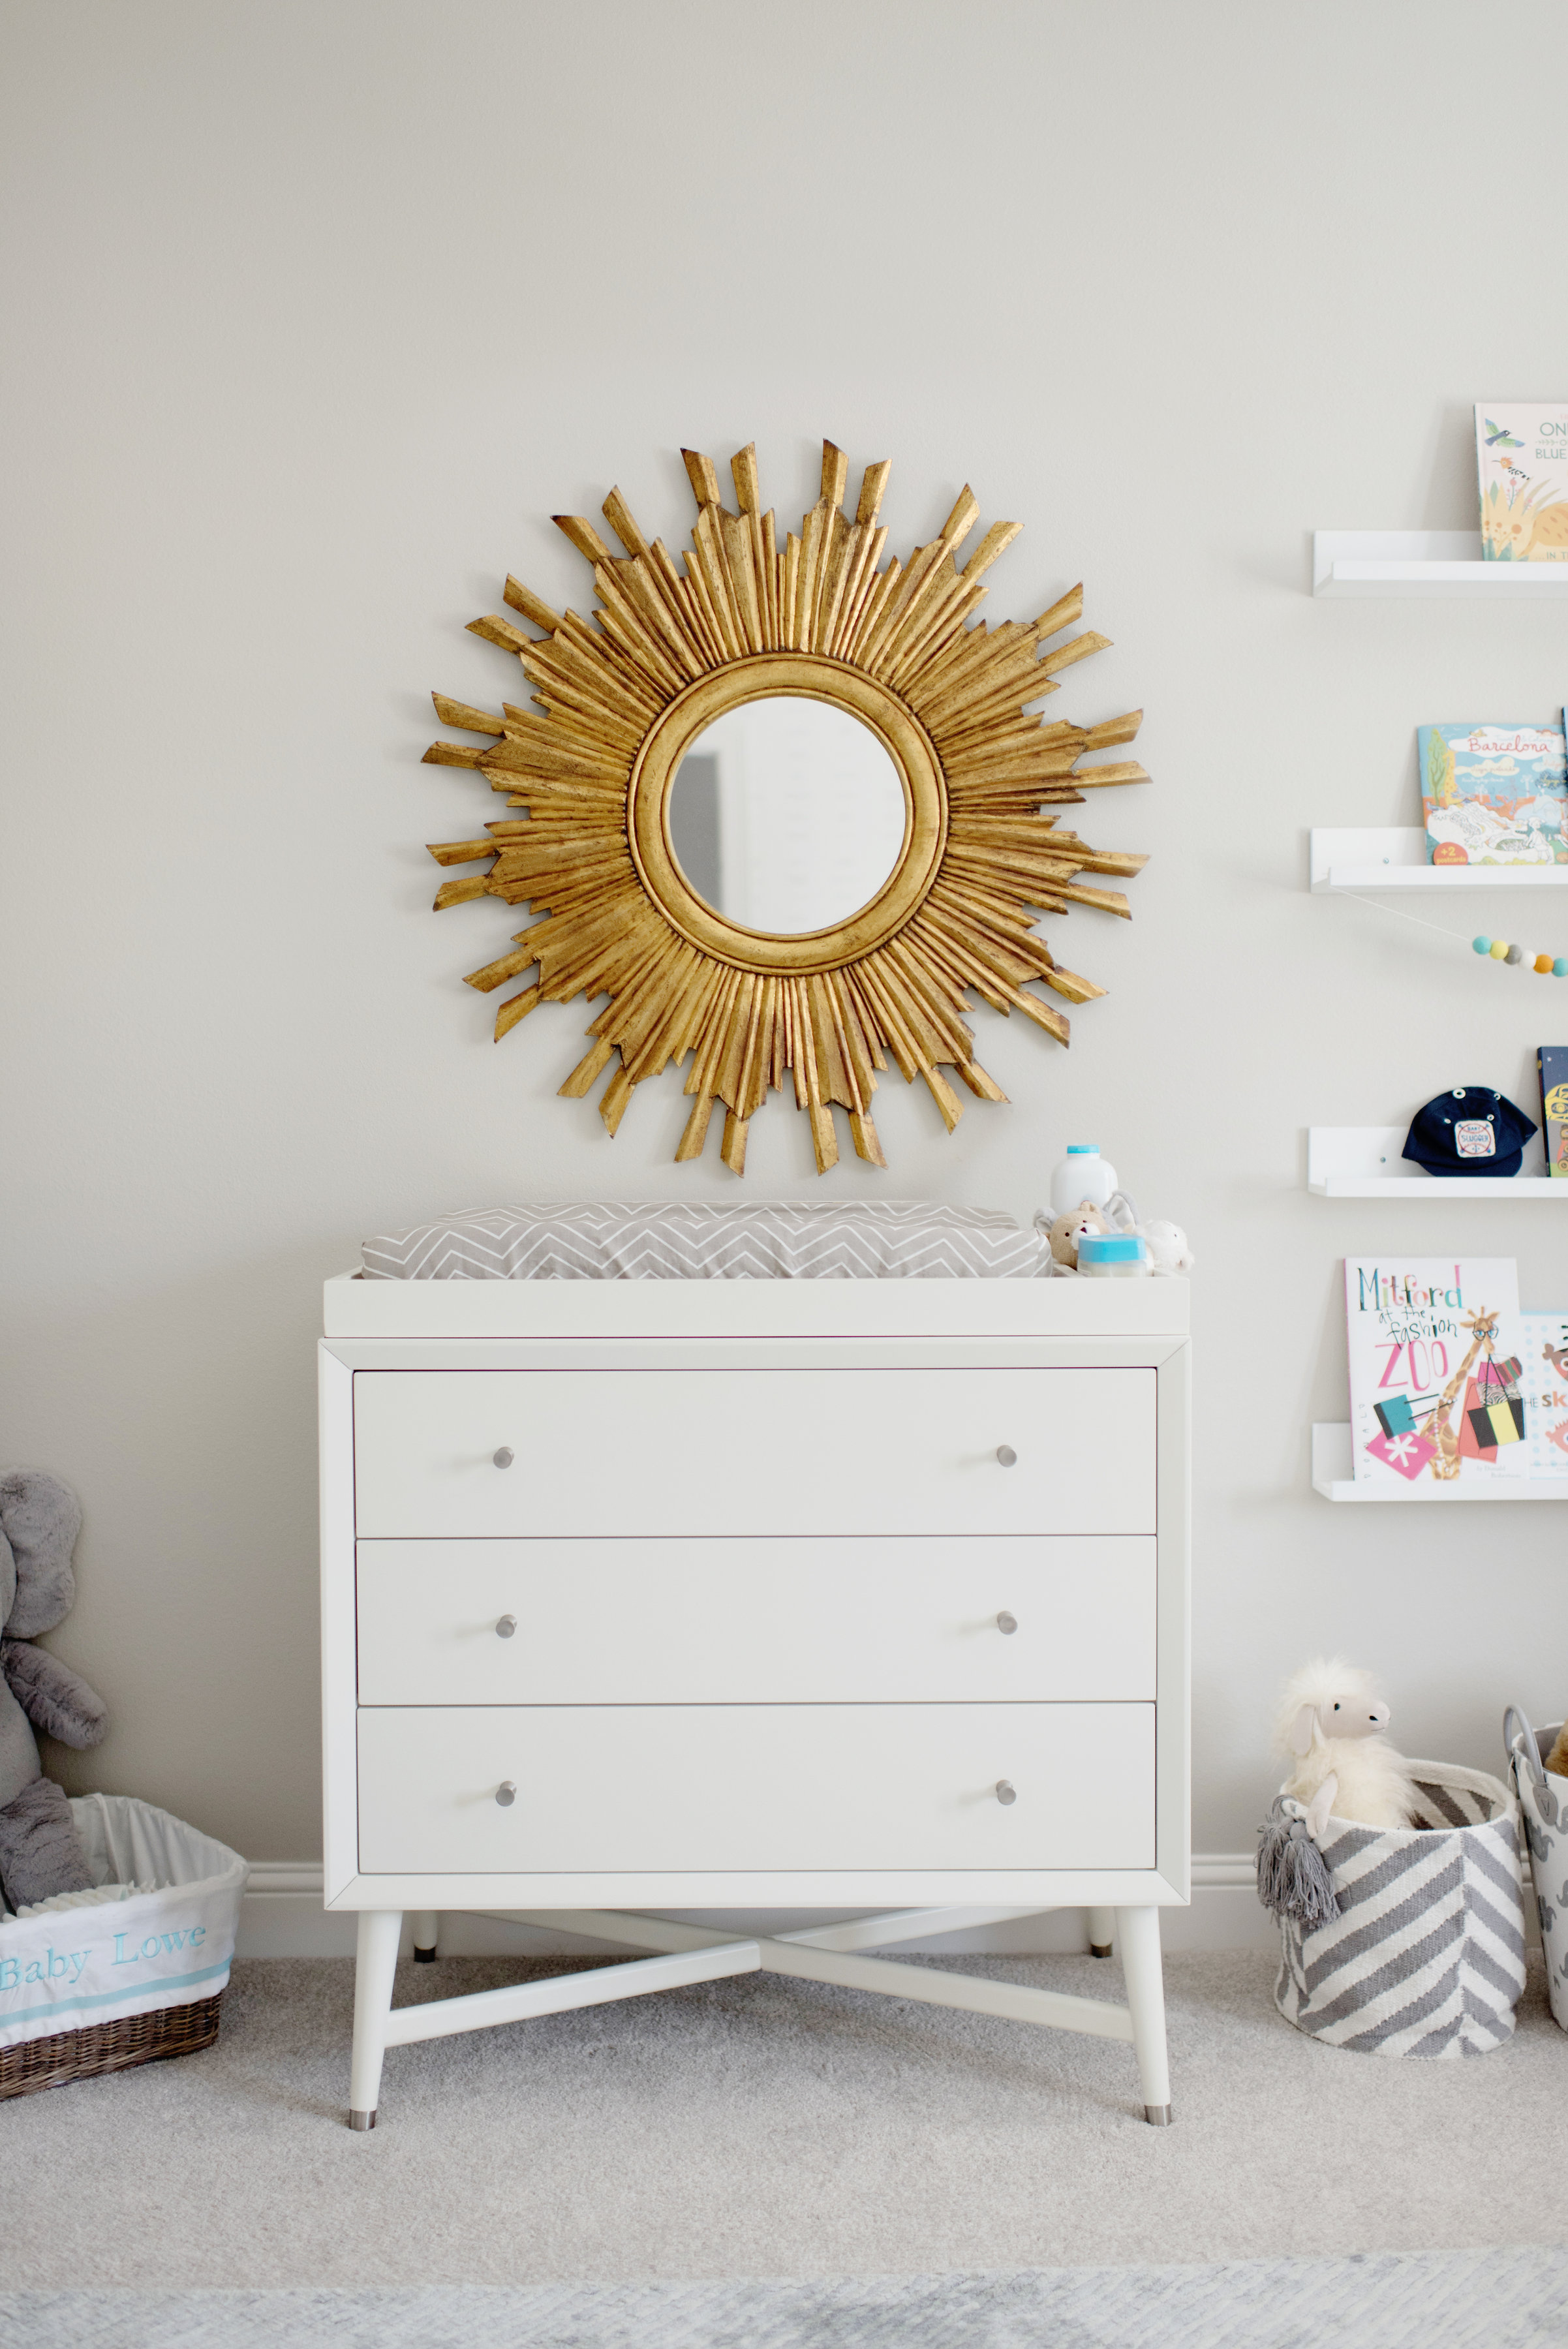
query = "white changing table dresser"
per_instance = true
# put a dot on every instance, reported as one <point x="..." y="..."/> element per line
<point x="864" y="1596"/>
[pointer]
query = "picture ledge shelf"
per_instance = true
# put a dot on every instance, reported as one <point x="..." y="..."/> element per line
<point x="1332" y="1477"/>
<point x="1364" y="1162"/>
<point x="1424" y="563"/>
<point x="1394" y="856"/>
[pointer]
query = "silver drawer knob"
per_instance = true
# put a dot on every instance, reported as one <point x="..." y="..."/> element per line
<point x="503" y="1458"/>
<point x="505" y="1627"/>
<point x="1006" y="1454"/>
<point x="507" y="1792"/>
<point x="1006" y="1792"/>
<point x="1006" y="1622"/>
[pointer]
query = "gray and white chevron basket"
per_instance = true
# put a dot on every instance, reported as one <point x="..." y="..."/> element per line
<point x="1427" y="1955"/>
<point x="1543" y="1806"/>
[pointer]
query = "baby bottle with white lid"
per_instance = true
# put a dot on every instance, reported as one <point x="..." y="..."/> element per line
<point x="1082" y="1175"/>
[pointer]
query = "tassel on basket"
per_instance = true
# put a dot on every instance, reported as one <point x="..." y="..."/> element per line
<point x="1293" y="1875"/>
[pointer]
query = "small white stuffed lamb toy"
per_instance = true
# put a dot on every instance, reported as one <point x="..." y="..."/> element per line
<point x="1330" y="1723"/>
<point x="1168" y="1253"/>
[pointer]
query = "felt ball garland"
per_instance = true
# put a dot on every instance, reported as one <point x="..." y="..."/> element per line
<point x="1501" y="950"/>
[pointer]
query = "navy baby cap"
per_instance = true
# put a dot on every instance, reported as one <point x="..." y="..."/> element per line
<point x="1472" y="1131"/>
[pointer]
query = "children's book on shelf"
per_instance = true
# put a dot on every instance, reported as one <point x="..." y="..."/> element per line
<point x="1551" y="1067"/>
<point x="1543" y="1346"/>
<point x="1494" y="794"/>
<point x="1521" y="458"/>
<point x="1436" y="1372"/>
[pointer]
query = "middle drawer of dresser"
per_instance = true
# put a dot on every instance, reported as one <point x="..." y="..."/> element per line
<point x="721" y="1620"/>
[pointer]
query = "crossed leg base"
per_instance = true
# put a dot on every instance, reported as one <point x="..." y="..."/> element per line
<point x="695" y="1953"/>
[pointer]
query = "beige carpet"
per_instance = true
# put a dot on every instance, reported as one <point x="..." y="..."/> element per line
<point x="765" y="2127"/>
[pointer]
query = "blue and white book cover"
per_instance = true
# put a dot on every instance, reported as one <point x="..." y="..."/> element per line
<point x="1494" y="794"/>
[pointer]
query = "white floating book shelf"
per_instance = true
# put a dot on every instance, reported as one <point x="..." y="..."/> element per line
<point x="1363" y="1161"/>
<point x="1332" y="1475"/>
<point x="1424" y="563"/>
<point x="1394" y="856"/>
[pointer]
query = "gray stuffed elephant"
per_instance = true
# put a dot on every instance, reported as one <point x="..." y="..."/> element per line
<point x="39" y="1851"/>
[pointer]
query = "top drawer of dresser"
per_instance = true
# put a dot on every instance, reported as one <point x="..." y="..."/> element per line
<point x="754" y="1450"/>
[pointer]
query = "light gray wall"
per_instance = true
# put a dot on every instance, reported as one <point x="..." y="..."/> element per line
<point x="317" y="312"/>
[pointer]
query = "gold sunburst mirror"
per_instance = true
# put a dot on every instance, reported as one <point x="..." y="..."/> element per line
<point x="785" y="807"/>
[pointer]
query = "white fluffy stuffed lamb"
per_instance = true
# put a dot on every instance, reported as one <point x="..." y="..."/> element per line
<point x="1330" y="1723"/>
<point x="1168" y="1253"/>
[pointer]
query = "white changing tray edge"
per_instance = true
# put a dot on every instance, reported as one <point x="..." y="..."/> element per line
<point x="357" y="1307"/>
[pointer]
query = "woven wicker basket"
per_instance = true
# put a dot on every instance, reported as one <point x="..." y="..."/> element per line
<point x="88" y="1991"/>
<point x="108" y="2047"/>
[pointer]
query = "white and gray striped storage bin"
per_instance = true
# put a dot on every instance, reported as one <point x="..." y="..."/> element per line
<point x="1427" y="1955"/>
<point x="1544" y="1808"/>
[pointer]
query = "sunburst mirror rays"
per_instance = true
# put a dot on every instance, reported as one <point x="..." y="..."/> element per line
<point x="675" y="649"/>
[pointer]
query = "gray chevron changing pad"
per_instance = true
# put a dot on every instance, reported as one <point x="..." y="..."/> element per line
<point x="771" y="1240"/>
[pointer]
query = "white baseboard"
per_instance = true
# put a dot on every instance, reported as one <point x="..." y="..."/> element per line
<point x="282" y="1918"/>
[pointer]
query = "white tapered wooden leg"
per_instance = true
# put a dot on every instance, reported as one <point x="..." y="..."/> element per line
<point x="427" y="1928"/>
<point x="1137" y="1934"/>
<point x="375" y="1964"/>
<point x="1101" y="1928"/>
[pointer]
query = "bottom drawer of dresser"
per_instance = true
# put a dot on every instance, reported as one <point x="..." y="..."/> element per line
<point x="688" y="1789"/>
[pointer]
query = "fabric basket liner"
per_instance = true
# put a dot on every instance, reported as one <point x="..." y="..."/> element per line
<point x="1427" y="1955"/>
<point x="1543" y="1806"/>
<point x="771" y="1240"/>
<point x="71" y="1967"/>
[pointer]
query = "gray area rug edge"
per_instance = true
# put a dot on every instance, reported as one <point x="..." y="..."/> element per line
<point x="1504" y="2297"/>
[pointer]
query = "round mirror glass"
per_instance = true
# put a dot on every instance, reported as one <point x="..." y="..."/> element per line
<point x="787" y="815"/>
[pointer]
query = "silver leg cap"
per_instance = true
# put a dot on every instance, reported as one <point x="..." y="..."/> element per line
<point x="368" y="2120"/>
<point x="1156" y="2116"/>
